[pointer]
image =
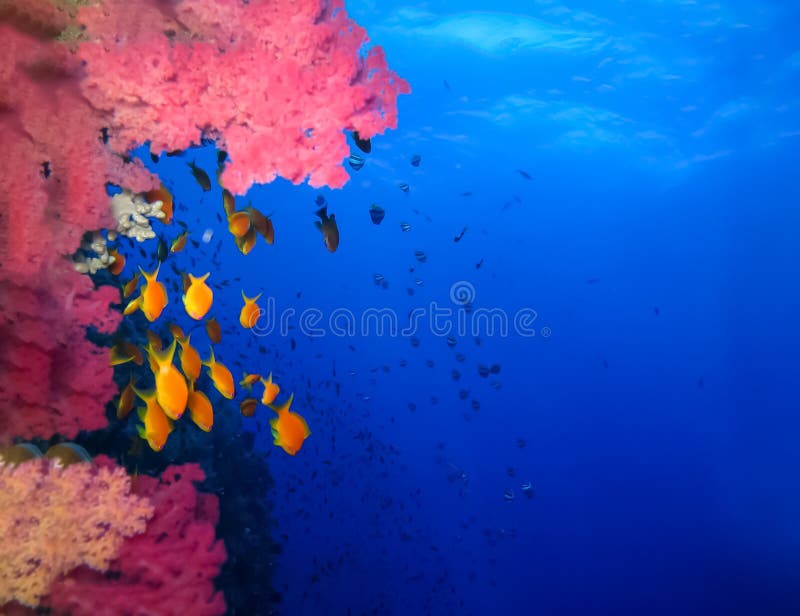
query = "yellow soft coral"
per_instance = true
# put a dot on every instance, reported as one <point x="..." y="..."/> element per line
<point x="53" y="519"/>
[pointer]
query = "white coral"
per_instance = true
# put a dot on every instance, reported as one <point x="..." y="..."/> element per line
<point x="132" y="214"/>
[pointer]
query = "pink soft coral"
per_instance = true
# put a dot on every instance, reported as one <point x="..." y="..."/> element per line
<point x="54" y="519"/>
<point x="167" y="570"/>
<point x="275" y="80"/>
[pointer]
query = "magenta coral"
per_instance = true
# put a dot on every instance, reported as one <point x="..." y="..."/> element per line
<point x="275" y="80"/>
<point x="54" y="519"/>
<point x="167" y="570"/>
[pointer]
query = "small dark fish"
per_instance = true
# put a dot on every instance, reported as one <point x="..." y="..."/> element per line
<point x="154" y="157"/>
<point x="476" y="406"/>
<point x="483" y="370"/>
<point x="416" y="160"/>
<point x="420" y="256"/>
<point x="405" y="227"/>
<point x="458" y="237"/>
<point x="521" y="442"/>
<point x="463" y="394"/>
<point x="494" y="369"/>
<point x="430" y="363"/>
<point x="376" y="214"/>
<point x="412" y="407"/>
<point x="327" y="226"/>
<point x="404" y="187"/>
<point x="451" y="342"/>
<point x="446" y="85"/>
<point x="378" y="278"/>
<point x="172" y="153"/>
<point x="201" y="176"/>
<point x="479" y="264"/>
<point x="656" y="310"/>
<point x="605" y="363"/>
<point x="222" y="157"/>
<point x="46" y="169"/>
<point x="410" y="291"/>
<point x="104" y="134"/>
<point x="356" y="162"/>
<point x="320" y="200"/>
<point x="414" y="341"/>
<point x="701" y="383"/>
<point x="365" y="145"/>
<point x="293" y="344"/>
<point x="592" y="280"/>
<point x="511" y="471"/>
<point x="465" y="194"/>
<point x="524" y="174"/>
<point x="163" y="250"/>
<point x="460" y="357"/>
<point x="402" y="363"/>
<point x="456" y="375"/>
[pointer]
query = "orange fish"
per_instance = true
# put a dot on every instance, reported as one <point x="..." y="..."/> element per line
<point x="119" y="262"/>
<point x="248" y="407"/>
<point x="156" y="427"/>
<point x="198" y="297"/>
<point x="213" y="330"/>
<point x="190" y="360"/>
<point x="171" y="390"/>
<point x="131" y="285"/>
<point x="200" y="410"/>
<point x="271" y="390"/>
<point x="247" y="243"/>
<point x="289" y="429"/>
<point x="153" y="297"/>
<point x="179" y="243"/>
<point x="126" y="400"/>
<point x="250" y="312"/>
<point x="123" y="352"/>
<point x="239" y="224"/>
<point x="163" y="195"/>
<point x="248" y="380"/>
<point x="220" y="376"/>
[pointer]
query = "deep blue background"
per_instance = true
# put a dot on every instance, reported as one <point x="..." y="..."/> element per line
<point x="662" y="138"/>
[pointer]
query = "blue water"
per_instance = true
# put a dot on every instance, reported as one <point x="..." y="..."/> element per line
<point x="652" y="402"/>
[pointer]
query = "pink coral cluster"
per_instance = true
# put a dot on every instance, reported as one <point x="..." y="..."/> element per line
<point x="276" y="81"/>
<point x="54" y="519"/>
<point x="167" y="570"/>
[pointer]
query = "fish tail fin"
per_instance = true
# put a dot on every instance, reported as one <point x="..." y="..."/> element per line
<point x="323" y="212"/>
<point x="163" y="357"/>
<point x="132" y="306"/>
<point x="211" y="359"/>
<point x="283" y="407"/>
<point x="144" y="395"/>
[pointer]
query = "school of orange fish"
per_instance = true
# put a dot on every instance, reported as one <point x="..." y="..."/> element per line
<point x="174" y="389"/>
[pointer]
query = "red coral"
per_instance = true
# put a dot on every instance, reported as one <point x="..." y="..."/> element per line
<point x="167" y="570"/>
